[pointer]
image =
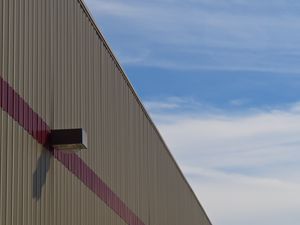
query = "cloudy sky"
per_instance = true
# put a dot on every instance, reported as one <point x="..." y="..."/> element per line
<point x="221" y="79"/>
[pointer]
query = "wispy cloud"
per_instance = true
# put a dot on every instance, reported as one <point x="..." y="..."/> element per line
<point x="251" y="35"/>
<point x="174" y="103"/>
<point x="153" y="106"/>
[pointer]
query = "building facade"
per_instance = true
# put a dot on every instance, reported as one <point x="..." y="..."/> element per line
<point x="57" y="72"/>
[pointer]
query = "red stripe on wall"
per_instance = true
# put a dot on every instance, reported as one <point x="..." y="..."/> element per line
<point x="12" y="103"/>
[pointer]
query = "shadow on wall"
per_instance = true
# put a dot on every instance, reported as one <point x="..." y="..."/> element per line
<point x="40" y="173"/>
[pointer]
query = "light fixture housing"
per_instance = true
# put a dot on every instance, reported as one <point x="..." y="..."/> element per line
<point x="68" y="139"/>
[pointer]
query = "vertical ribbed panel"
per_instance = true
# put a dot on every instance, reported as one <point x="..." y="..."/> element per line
<point x="57" y="71"/>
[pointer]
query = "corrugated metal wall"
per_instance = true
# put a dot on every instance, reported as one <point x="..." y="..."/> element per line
<point x="58" y="72"/>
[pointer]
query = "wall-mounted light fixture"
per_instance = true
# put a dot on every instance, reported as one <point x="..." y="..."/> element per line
<point x="68" y="139"/>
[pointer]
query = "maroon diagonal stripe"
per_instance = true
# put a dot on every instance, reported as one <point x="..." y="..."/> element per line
<point x="12" y="103"/>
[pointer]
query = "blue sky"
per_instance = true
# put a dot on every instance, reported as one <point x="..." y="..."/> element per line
<point x="221" y="79"/>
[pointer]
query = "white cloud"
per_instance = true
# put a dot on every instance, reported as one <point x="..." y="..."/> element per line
<point x="245" y="168"/>
<point x="245" y="200"/>
<point x="239" y="141"/>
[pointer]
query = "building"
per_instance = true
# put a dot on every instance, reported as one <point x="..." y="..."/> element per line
<point x="58" y="72"/>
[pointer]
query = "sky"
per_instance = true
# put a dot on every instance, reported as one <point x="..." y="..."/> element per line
<point x="221" y="80"/>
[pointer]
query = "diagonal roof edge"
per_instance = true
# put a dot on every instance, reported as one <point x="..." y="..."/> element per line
<point x="99" y="33"/>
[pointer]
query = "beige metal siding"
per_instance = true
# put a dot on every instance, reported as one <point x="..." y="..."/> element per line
<point x="55" y="58"/>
